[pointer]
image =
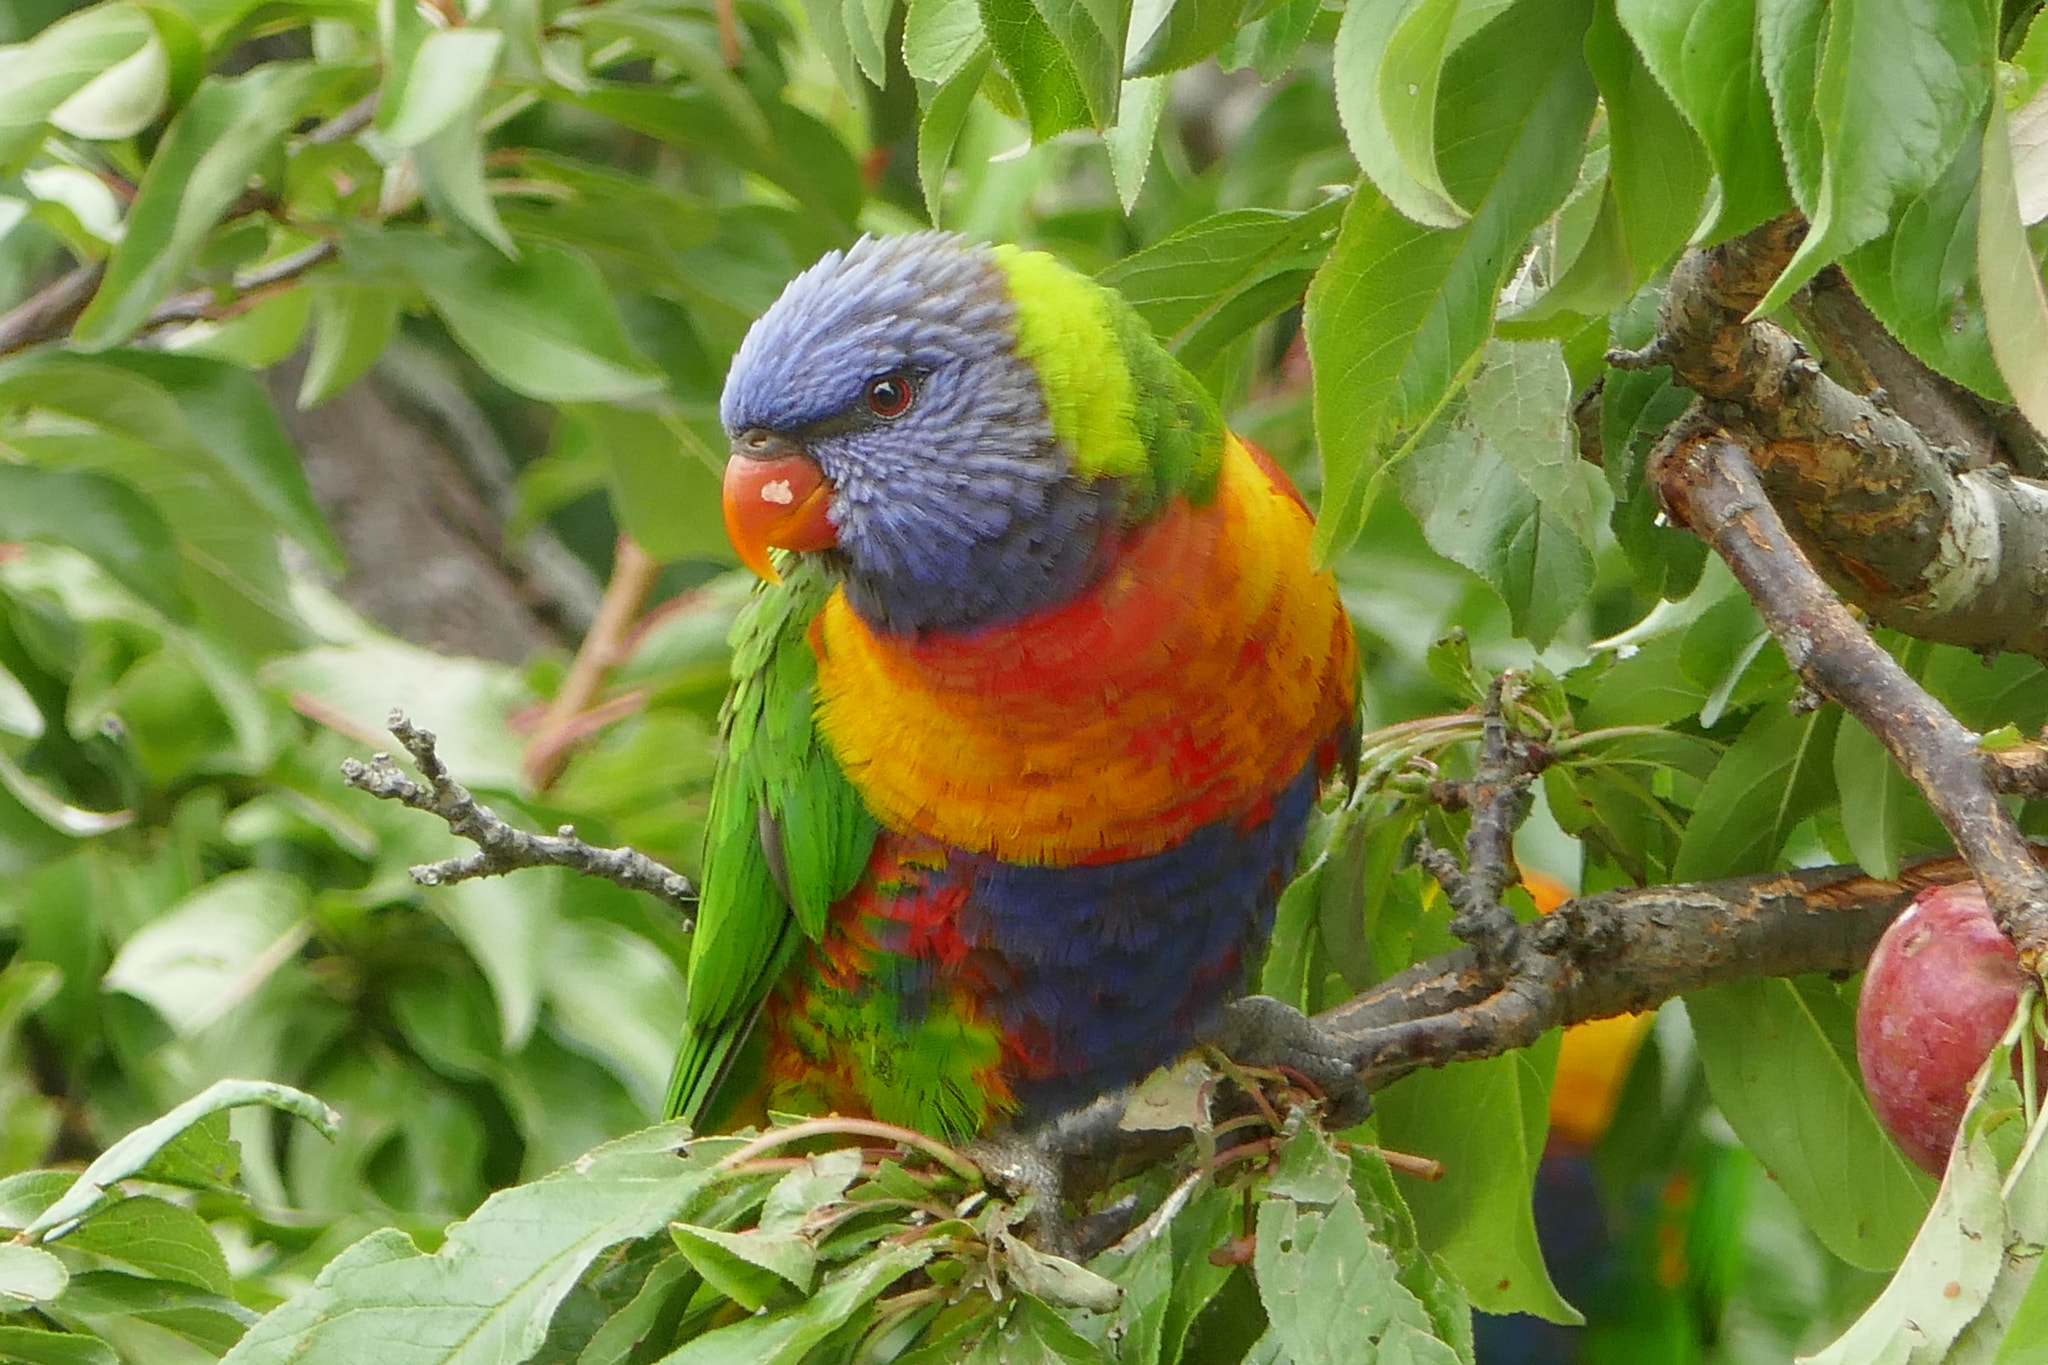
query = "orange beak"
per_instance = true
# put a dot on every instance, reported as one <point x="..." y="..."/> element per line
<point x="776" y="497"/>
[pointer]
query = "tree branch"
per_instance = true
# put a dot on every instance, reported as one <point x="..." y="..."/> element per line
<point x="1905" y="529"/>
<point x="500" y="847"/>
<point x="1497" y="796"/>
<point x="1597" y="956"/>
<point x="633" y="575"/>
<point x="50" y="311"/>
<point x="1705" y="481"/>
<point x="250" y="287"/>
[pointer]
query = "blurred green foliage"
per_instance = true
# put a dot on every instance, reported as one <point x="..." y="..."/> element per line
<point x="584" y="205"/>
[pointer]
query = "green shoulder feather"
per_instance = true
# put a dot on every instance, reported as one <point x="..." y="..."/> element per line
<point x="787" y="835"/>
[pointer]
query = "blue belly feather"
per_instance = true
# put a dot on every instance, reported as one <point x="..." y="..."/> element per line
<point x="1109" y="969"/>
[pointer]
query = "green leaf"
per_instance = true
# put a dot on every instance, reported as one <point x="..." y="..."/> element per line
<point x="690" y="44"/>
<point x="635" y="226"/>
<point x="257" y="338"/>
<point x="1309" y="1171"/>
<point x="544" y="325"/>
<point x="1031" y="1333"/>
<point x="1269" y="45"/>
<point x="1486" y="1122"/>
<point x="100" y="517"/>
<point x="466" y="702"/>
<point x="33" y="1347"/>
<point x="1397" y="316"/>
<point x="1947" y="1274"/>
<point x="788" y="1337"/>
<point x="1425" y="1276"/>
<point x="1920" y="279"/>
<point x="352" y="324"/>
<point x="107" y="1301"/>
<point x="1520" y="402"/>
<point x="828" y="26"/>
<point x="39" y="75"/>
<point x="1874" y="796"/>
<point x="664" y="488"/>
<point x="1184" y="284"/>
<point x="1476" y="511"/>
<point x="1065" y="60"/>
<point x="1790" y="36"/>
<point x="938" y="129"/>
<point x="28" y="1276"/>
<point x="2015" y="308"/>
<point x="27" y="1193"/>
<point x="618" y="1340"/>
<point x="750" y="1268"/>
<point x="867" y="32"/>
<point x="1775" y="775"/>
<point x="131" y="1155"/>
<point x="616" y="997"/>
<point x="1779" y="1057"/>
<point x="1055" y="1280"/>
<point x="230" y="415"/>
<point x="1704" y="54"/>
<point x="120" y="101"/>
<point x="1185" y="33"/>
<point x="1387" y="62"/>
<point x="489" y="1292"/>
<point x="1658" y="170"/>
<point x="210" y="952"/>
<point x="446" y="79"/>
<point x="802" y="155"/>
<point x="158" y="1238"/>
<point x="940" y="37"/>
<point x="820" y="1181"/>
<point x="203" y="1157"/>
<point x="1331" y="1292"/>
<point x="1130" y="140"/>
<point x="1888" y="129"/>
<point x="451" y="173"/>
<point x="148" y="438"/>
<point x="217" y="142"/>
<point x="507" y="924"/>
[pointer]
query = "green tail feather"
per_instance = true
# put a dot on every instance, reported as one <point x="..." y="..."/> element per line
<point x="786" y="836"/>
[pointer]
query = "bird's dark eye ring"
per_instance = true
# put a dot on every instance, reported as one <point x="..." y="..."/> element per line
<point x="890" y="396"/>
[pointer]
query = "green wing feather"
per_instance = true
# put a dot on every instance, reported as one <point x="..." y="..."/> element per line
<point x="787" y="834"/>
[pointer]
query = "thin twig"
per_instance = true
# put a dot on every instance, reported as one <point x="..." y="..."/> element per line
<point x="633" y="575"/>
<point x="938" y="1151"/>
<point x="1497" y="796"/>
<point x="50" y="311"/>
<point x="348" y="122"/>
<point x="728" y="33"/>
<point x="250" y="287"/>
<point x="500" y="847"/>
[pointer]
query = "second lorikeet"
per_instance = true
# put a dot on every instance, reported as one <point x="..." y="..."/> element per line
<point x="1025" y="730"/>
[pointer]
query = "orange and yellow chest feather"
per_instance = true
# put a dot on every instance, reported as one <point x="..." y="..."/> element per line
<point x="1189" y="685"/>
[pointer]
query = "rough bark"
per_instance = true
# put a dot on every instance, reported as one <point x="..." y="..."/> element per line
<point x="1704" y="480"/>
<point x="1933" y="539"/>
<point x="425" y="547"/>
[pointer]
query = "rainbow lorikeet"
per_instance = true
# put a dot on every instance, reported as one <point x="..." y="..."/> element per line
<point x="1025" y="731"/>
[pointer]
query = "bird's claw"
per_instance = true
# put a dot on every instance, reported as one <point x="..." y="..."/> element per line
<point x="1260" y="1031"/>
<point x="1018" y="1168"/>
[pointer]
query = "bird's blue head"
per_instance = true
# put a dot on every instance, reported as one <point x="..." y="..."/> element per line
<point x="880" y="414"/>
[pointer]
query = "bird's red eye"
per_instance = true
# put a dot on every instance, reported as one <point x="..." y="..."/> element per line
<point x="890" y="395"/>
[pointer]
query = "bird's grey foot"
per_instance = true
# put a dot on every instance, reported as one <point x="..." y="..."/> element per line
<point x="1260" y="1031"/>
<point x="1019" y="1167"/>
